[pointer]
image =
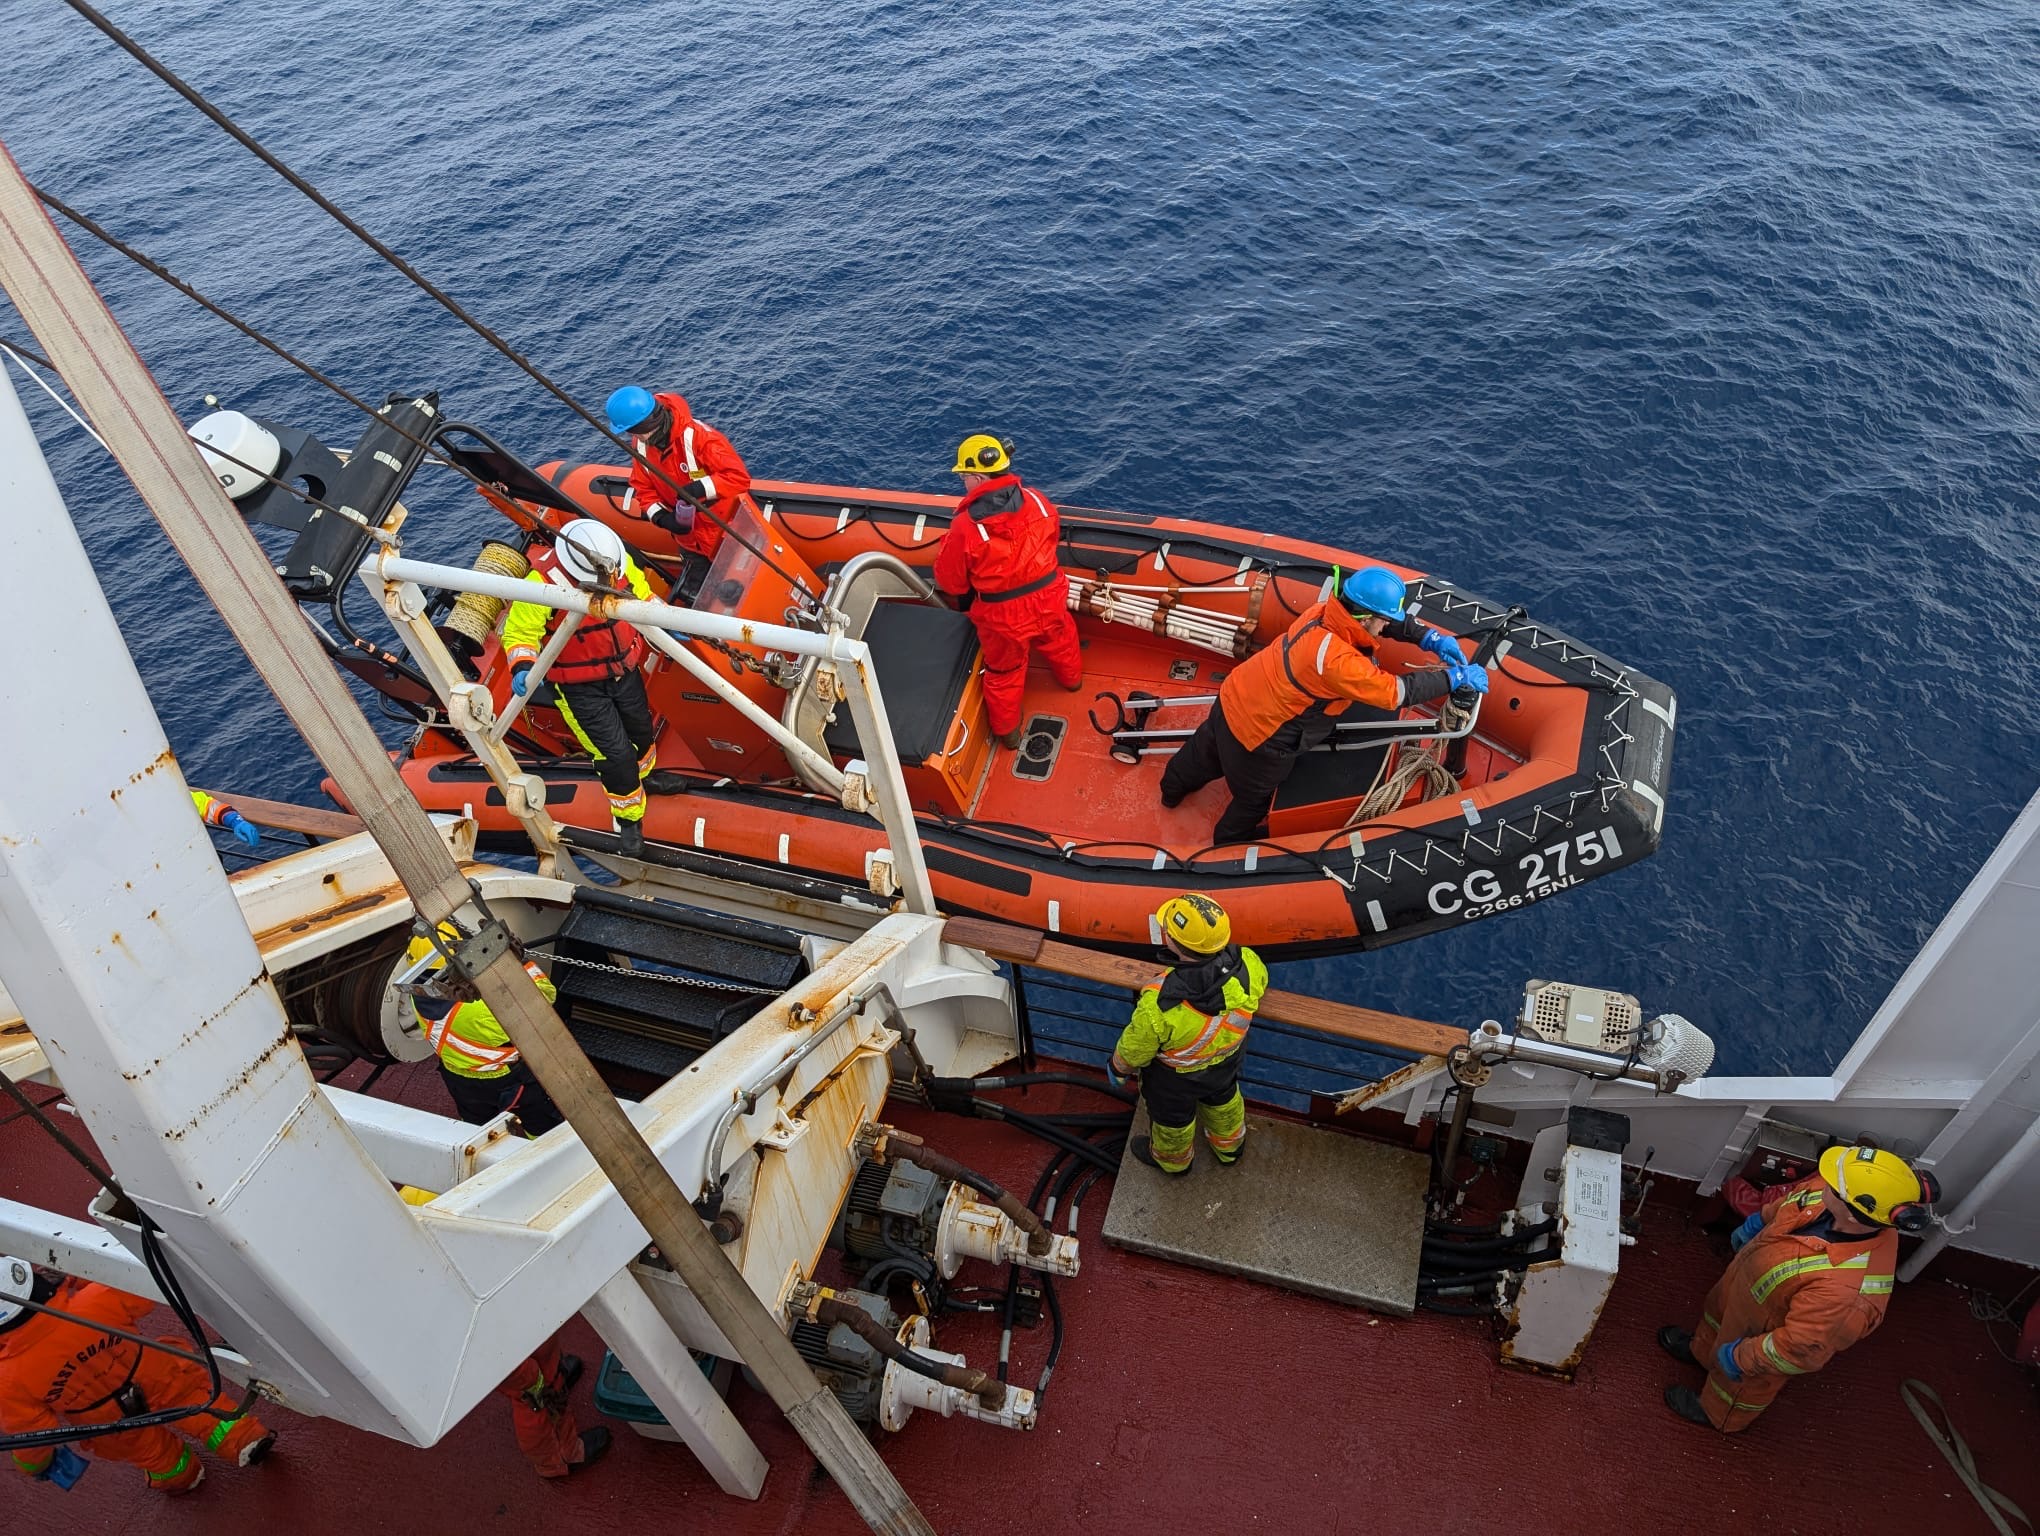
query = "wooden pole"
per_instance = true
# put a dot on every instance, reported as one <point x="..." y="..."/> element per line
<point x="110" y="381"/>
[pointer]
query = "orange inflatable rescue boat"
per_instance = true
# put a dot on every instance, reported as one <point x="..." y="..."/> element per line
<point x="1381" y="835"/>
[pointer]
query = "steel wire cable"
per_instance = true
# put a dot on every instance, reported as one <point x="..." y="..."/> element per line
<point x="453" y="307"/>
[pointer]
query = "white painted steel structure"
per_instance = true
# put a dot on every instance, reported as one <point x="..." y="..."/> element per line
<point x="1943" y="1073"/>
<point x="147" y="979"/>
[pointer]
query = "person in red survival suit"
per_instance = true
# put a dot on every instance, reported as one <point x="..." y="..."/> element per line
<point x="543" y="1418"/>
<point x="667" y="438"/>
<point x="998" y="562"/>
<point x="55" y="1372"/>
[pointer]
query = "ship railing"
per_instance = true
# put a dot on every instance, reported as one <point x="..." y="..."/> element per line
<point x="874" y="785"/>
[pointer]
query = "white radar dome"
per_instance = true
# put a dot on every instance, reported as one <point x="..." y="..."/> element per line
<point x="246" y="451"/>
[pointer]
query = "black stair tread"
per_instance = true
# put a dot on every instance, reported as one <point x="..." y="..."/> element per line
<point x="658" y="1000"/>
<point x="619" y="1047"/>
<point x="695" y="949"/>
<point x="770" y="935"/>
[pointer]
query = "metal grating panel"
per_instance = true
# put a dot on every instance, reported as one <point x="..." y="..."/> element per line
<point x="1309" y="1210"/>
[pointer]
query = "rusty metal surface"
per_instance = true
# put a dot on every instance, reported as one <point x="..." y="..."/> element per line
<point x="1306" y="1209"/>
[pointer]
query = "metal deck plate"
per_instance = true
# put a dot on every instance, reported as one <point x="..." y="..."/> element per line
<point x="1309" y="1210"/>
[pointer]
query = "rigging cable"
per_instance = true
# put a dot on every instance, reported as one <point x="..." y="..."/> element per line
<point x="255" y="147"/>
<point x="157" y="1262"/>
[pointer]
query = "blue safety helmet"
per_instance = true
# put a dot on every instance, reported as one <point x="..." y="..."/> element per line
<point x="1375" y="590"/>
<point x="629" y="406"/>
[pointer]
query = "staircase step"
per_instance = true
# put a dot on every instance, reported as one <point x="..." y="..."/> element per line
<point x="640" y="1053"/>
<point x="685" y="937"/>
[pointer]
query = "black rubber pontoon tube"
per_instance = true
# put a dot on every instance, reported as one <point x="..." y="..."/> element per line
<point x="899" y="1146"/>
<point x="990" y="1393"/>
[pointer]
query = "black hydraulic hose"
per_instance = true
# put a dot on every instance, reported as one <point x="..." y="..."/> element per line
<point x="1454" y="1229"/>
<point x="1012" y="1298"/>
<point x="1055" y="1343"/>
<point x="1476" y="1263"/>
<point x="1034" y="1125"/>
<point x="1471" y="1284"/>
<point x="1073" y="1079"/>
<point x="1515" y="1240"/>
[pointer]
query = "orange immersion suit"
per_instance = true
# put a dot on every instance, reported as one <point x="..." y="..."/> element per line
<point x="53" y="1372"/>
<point x="1001" y="554"/>
<point x="1794" y="1298"/>
<point x="540" y="1414"/>
<point x="695" y="455"/>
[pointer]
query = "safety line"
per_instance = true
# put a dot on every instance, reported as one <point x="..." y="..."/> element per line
<point x="255" y="147"/>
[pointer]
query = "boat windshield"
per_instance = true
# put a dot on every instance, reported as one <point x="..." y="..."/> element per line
<point x="735" y="566"/>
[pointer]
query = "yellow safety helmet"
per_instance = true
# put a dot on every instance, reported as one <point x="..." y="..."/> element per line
<point x="1196" y="922"/>
<point x="982" y="454"/>
<point x="1879" y="1186"/>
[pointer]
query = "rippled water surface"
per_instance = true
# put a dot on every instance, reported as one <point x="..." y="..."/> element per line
<point x="1705" y="331"/>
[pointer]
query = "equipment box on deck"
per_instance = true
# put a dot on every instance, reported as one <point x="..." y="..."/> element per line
<point x="619" y="1396"/>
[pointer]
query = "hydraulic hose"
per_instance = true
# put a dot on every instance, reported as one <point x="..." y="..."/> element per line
<point x="902" y="1147"/>
<point x="1474" y="1263"/>
<point x="991" y="1394"/>
<point x="1073" y="1079"/>
<point x="1515" y="1241"/>
<point x="1454" y="1285"/>
<point x="1034" y="1125"/>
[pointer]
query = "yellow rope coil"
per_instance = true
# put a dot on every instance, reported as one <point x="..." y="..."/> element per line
<point x="474" y="615"/>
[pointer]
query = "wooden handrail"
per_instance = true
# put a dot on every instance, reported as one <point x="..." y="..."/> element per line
<point x="1343" y="1021"/>
<point x="285" y="817"/>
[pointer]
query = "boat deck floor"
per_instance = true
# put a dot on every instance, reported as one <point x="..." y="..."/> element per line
<point x="1191" y="1400"/>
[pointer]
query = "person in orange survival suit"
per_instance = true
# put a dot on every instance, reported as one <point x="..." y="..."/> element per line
<point x="542" y="1416"/>
<point x="54" y="1372"/>
<point x="669" y="439"/>
<point x="998" y="562"/>
<point x="1812" y="1274"/>
<point x="1287" y="698"/>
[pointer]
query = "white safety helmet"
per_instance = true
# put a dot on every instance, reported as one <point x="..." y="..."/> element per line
<point x="17" y="1285"/>
<point x="591" y="553"/>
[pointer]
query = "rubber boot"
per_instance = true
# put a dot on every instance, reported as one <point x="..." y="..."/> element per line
<point x="630" y="839"/>
<point x="595" y="1445"/>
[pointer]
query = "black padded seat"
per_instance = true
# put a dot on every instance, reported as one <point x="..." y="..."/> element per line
<point x="1320" y="777"/>
<point x="923" y="655"/>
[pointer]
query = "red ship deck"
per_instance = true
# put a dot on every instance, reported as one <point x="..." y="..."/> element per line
<point x="1186" y="1400"/>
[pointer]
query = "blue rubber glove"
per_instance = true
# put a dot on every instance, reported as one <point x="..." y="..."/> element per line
<point x="520" y="679"/>
<point x="1465" y="675"/>
<point x="1112" y="1075"/>
<point x="65" y="1468"/>
<point x="1724" y="1359"/>
<point x="1752" y="1225"/>
<point x="1444" y="647"/>
<point x="245" y="830"/>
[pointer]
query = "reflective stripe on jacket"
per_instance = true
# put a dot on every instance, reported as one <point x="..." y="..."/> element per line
<point x="1002" y="543"/>
<point x="50" y="1367"/>
<point x="468" y="1039"/>
<point x="1188" y="1038"/>
<point x="599" y="648"/>
<point x="695" y="452"/>
<point x="1796" y="1300"/>
<point x="212" y="809"/>
<point x="1324" y="663"/>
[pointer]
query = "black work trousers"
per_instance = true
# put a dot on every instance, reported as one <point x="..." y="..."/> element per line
<point x="478" y="1100"/>
<point x="1253" y="774"/>
<point x="612" y="719"/>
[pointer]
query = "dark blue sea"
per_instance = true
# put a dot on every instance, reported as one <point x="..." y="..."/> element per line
<point x="1706" y="331"/>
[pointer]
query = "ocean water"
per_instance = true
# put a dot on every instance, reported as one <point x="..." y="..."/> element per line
<point x="1708" y="332"/>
